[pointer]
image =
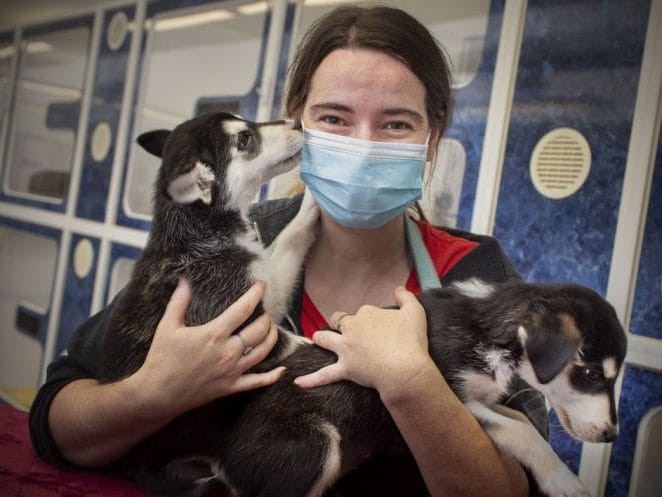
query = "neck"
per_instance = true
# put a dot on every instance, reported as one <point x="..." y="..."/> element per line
<point x="363" y="245"/>
<point x="355" y="253"/>
<point x="347" y="268"/>
<point x="181" y="225"/>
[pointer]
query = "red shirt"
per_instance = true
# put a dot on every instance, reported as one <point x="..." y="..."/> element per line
<point x="445" y="251"/>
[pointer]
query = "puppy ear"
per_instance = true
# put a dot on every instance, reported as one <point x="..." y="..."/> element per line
<point x="154" y="141"/>
<point x="551" y="341"/>
<point x="193" y="185"/>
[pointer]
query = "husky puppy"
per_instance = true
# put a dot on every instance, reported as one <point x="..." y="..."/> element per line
<point x="212" y="169"/>
<point x="283" y="441"/>
<point x="564" y="340"/>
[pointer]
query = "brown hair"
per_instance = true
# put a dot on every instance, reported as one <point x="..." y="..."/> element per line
<point x="386" y="29"/>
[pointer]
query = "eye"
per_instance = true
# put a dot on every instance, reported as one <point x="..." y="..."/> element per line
<point x="243" y="139"/>
<point x="592" y="374"/>
<point x="399" y="125"/>
<point x="331" y="120"/>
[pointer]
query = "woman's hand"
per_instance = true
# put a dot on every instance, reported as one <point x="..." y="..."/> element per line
<point x="95" y="424"/>
<point x="187" y="367"/>
<point x="379" y="348"/>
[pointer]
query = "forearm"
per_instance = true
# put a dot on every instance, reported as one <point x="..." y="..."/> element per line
<point x="447" y="442"/>
<point x="94" y="424"/>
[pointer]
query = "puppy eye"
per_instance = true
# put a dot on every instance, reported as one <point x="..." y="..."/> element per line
<point x="243" y="139"/>
<point x="592" y="374"/>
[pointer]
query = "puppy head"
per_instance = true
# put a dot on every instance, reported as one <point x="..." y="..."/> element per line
<point x="575" y="347"/>
<point x="220" y="159"/>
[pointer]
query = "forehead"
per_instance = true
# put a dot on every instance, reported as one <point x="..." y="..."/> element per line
<point x="366" y="78"/>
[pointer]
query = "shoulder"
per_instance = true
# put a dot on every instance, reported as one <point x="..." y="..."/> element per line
<point x="486" y="260"/>
<point x="440" y="239"/>
<point x="271" y="216"/>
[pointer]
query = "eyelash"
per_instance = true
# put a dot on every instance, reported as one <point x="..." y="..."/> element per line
<point x="328" y="119"/>
<point x="401" y="126"/>
<point x="391" y="126"/>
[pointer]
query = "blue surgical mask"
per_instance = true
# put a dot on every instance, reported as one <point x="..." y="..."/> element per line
<point x="361" y="183"/>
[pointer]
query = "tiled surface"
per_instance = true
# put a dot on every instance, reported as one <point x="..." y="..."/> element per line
<point x="579" y="68"/>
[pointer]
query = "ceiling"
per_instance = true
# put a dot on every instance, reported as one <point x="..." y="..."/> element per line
<point x="22" y="12"/>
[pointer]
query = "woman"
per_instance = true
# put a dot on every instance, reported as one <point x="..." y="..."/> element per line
<point x="361" y="78"/>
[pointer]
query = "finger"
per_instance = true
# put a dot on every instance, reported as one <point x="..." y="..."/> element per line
<point x="251" y="381"/>
<point x="231" y="318"/>
<point x="257" y="331"/>
<point x="329" y="340"/>
<point x="328" y="374"/>
<point x="404" y="297"/>
<point x="409" y="302"/>
<point x="260" y="350"/>
<point x="336" y="319"/>
<point x="175" y="312"/>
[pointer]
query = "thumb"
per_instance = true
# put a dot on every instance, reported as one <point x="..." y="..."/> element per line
<point x="404" y="296"/>
<point x="178" y="304"/>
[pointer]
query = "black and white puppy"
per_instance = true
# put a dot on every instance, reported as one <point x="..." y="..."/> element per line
<point x="564" y="340"/>
<point x="282" y="441"/>
<point x="212" y="169"/>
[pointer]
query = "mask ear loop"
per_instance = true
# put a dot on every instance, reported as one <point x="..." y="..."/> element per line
<point x="429" y="165"/>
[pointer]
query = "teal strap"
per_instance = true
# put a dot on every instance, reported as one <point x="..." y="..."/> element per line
<point x="427" y="275"/>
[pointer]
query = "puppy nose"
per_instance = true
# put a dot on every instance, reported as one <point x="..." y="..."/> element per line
<point x="609" y="435"/>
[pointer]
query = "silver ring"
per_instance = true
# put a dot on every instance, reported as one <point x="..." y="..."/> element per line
<point x="336" y="324"/>
<point x="247" y="347"/>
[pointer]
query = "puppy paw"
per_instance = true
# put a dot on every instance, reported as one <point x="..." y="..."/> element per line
<point x="309" y="212"/>
<point x="563" y="483"/>
<point x="304" y="226"/>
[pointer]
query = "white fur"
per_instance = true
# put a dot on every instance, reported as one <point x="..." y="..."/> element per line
<point x="279" y="266"/>
<point x="480" y="386"/>
<point x="287" y="255"/>
<point x="522" y="441"/>
<point x="278" y="144"/>
<point x="609" y="368"/>
<point x="585" y="417"/>
<point x="193" y="185"/>
<point x="474" y="288"/>
<point x="331" y="467"/>
<point x="234" y="127"/>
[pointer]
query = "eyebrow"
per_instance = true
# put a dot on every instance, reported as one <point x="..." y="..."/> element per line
<point x="330" y="106"/>
<point x="393" y="111"/>
<point x="403" y="110"/>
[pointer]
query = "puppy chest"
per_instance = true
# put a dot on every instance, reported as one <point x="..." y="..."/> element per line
<point x="489" y="382"/>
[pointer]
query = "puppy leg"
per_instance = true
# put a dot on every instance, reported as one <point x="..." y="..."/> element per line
<point x="287" y="255"/>
<point x="297" y="457"/>
<point x="520" y="439"/>
<point x="331" y="466"/>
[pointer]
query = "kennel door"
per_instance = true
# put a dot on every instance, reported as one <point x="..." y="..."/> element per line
<point x="194" y="59"/>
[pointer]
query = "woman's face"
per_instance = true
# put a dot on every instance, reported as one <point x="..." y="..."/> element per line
<point x="367" y="94"/>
